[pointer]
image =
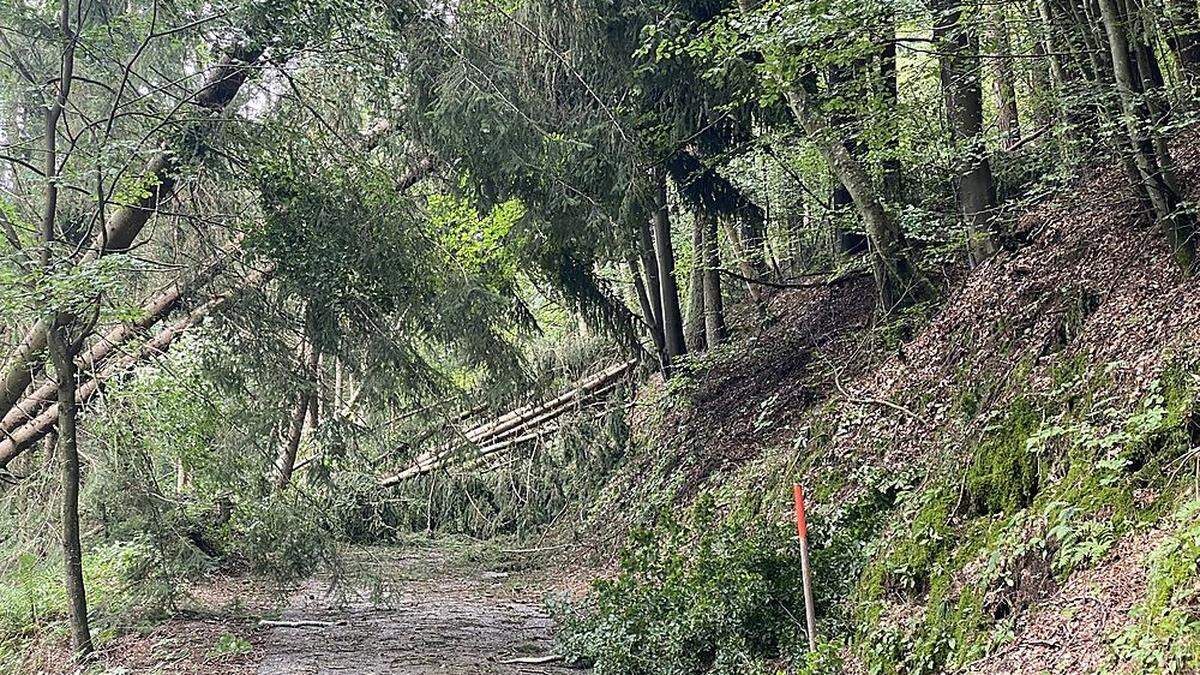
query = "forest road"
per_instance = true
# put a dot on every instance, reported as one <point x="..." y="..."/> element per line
<point x="431" y="619"/>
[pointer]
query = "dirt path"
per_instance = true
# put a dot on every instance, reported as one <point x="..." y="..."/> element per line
<point x="435" y="616"/>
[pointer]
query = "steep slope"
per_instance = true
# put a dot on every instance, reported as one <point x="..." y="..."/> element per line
<point x="1006" y="491"/>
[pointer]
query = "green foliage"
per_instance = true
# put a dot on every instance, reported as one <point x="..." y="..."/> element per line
<point x="1165" y="634"/>
<point x="231" y="645"/>
<point x="33" y="600"/>
<point x="707" y="594"/>
<point x="1046" y="495"/>
<point x="478" y="242"/>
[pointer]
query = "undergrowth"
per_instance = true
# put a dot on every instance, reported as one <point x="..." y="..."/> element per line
<point x="33" y="600"/>
<point x="698" y="594"/>
<point x="924" y="571"/>
<point x="1165" y="634"/>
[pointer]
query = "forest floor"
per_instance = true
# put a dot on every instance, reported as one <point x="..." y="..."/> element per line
<point x="430" y="607"/>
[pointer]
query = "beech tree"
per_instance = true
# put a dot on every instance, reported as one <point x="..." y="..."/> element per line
<point x="957" y="40"/>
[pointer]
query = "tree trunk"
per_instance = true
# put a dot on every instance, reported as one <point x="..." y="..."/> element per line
<point x="743" y="261"/>
<point x="1184" y="38"/>
<point x="154" y="311"/>
<point x="893" y="178"/>
<point x="714" y="308"/>
<point x="847" y="242"/>
<point x="53" y="114"/>
<point x="1042" y="91"/>
<point x="695" y="316"/>
<point x="64" y="366"/>
<point x="19" y="440"/>
<point x="650" y="265"/>
<point x="1007" y="119"/>
<point x="1154" y="164"/>
<point x="958" y="45"/>
<point x="123" y="227"/>
<point x="896" y="278"/>
<point x="672" y="316"/>
<point x="653" y="324"/>
<point x="285" y="463"/>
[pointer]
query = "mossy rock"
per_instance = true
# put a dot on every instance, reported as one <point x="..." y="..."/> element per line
<point x="1004" y="474"/>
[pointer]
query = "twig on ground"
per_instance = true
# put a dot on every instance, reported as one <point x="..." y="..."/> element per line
<point x="303" y="623"/>
<point x="859" y="400"/>
<point x="534" y="660"/>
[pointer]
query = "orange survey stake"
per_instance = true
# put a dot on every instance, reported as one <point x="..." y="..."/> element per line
<point x="810" y="611"/>
<point x="801" y="525"/>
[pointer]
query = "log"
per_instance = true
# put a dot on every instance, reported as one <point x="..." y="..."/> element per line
<point x="533" y="660"/>
<point x="155" y="310"/>
<point x="22" y="438"/>
<point x="123" y="226"/>
<point x="302" y="623"/>
<point x="513" y="428"/>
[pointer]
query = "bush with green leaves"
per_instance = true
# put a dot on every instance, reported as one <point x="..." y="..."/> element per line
<point x="708" y="593"/>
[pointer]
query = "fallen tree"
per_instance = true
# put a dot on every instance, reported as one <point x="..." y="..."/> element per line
<point x="160" y="177"/>
<point x="22" y="438"/>
<point x="157" y="309"/>
<point x="513" y="428"/>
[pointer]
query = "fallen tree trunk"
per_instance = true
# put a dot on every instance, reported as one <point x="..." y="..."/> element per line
<point x="22" y="438"/>
<point x="521" y="415"/>
<point x="154" y="311"/>
<point x="123" y="227"/>
<point x="521" y="425"/>
<point x="472" y="459"/>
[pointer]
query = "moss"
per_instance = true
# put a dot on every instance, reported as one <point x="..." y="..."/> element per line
<point x="906" y="565"/>
<point x="1004" y="475"/>
<point x="952" y="632"/>
<point x="1165" y="635"/>
<point x="928" y="557"/>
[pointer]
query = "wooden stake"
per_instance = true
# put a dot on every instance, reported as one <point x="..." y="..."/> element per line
<point x="810" y="613"/>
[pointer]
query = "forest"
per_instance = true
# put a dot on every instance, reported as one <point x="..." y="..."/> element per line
<point x="646" y="337"/>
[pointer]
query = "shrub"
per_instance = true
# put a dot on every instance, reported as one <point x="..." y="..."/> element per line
<point x="705" y="594"/>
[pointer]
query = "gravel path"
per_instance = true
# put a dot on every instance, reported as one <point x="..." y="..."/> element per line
<point x="432" y="620"/>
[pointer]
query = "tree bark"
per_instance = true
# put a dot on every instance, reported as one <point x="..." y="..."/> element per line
<point x="64" y="366"/>
<point x="672" y="316"/>
<point x="714" y="306"/>
<point x="897" y="279"/>
<point x="695" y="316"/>
<point x="1154" y="164"/>
<point x="958" y="45"/>
<point x="1007" y="117"/>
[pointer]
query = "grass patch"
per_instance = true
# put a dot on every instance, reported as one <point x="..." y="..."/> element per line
<point x="33" y="600"/>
